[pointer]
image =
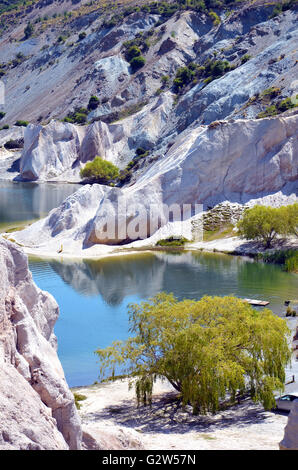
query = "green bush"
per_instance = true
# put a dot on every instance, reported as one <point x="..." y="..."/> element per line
<point x="172" y="241"/>
<point x="93" y="102"/>
<point x="215" y="18"/>
<point x="78" y="397"/>
<point x="132" y="52"/>
<point x="285" y="104"/>
<point x="134" y="55"/>
<point x="184" y="76"/>
<point x="78" y="116"/>
<point x="82" y="36"/>
<point x="21" y="123"/>
<point x="28" y="31"/>
<point x="217" y="68"/>
<point x="165" y="80"/>
<point x="268" y="112"/>
<point x="137" y="62"/>
<point x="100" y="170"/>
<point x="245" y="58"/>
<point x="2" y="114"/>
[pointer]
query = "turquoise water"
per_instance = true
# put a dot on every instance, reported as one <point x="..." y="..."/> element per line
<point x="28" y="201"/>
<point x="93" y="295"/>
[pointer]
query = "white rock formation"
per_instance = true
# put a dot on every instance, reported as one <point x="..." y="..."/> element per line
<point x="242" y="161"/>
<point x="290" y="440"/>
<point x="37" y="409"/>
<point x="58" y="150"/>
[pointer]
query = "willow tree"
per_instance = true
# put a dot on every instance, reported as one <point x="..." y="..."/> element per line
<point x="263" y="223"/>
<point x="207" y="349"/>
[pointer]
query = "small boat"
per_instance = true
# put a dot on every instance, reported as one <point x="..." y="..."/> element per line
<point x="260" y="303"/>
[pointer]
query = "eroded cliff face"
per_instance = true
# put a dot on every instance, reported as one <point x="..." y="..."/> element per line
<point x="290" y="440"/>
<point x="244" y="161"/>
<point x="137" y="108"/>
<point x="58" y="150"/>
<point x="37" y="409"/>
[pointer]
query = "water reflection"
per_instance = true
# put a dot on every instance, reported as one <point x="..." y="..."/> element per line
<point x="27" y="201"/>
<point x="187" y="275"/>
<point x="93" y="295"/>
<point x="129" y="275"/>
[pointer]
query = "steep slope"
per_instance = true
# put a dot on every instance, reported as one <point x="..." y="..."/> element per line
<point x="198" y="68"/>
<point x="37" y="409"/>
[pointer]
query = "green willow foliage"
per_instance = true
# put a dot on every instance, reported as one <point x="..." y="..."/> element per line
<point x="265" y="223"/>
<point x="207" y="350"/>
<point x="99" y="170"/>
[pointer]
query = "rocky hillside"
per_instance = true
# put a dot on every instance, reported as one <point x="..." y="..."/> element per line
<point x="140" y="73"/>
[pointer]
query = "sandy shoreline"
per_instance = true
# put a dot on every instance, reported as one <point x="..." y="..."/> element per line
<point x="229" y="245"/>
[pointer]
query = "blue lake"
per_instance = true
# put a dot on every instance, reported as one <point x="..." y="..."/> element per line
<point x="27" y="201"/>
<point x="93" y="295"/>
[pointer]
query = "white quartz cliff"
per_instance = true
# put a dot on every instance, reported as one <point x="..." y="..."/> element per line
<point x="37" y="409"/>
<point x="239" y="161"/>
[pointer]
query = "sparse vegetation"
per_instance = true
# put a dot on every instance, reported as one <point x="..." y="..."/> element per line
<point x="172" y="241"/>
<point x="215" y="18"/>
<point x="21" y="123"/>
<point x="78" y="116"/>
<point x="190" y="74"/>
<point x="79" y="397"/>
<point x="126" y="174"/>
<point x="275" y="109"/>
<point x="93" y="103"/>
<point x="245" y="58"/>
<point x="28" y="31"/>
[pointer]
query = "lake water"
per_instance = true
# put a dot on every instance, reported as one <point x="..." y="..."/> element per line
<point x="93" y="295"/>
<point x="28" y="201"/>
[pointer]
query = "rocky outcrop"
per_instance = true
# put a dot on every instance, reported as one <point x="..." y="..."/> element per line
<point x="58" y="150"/>
<point x="238" y="161"/>
<point x="111" y="437"/>
<point x="37" y="409"/>
<point x="290" y="440"/>
<point x="138" y="109"/>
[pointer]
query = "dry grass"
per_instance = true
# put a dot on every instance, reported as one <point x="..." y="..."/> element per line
<point x="224" y="232"/>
